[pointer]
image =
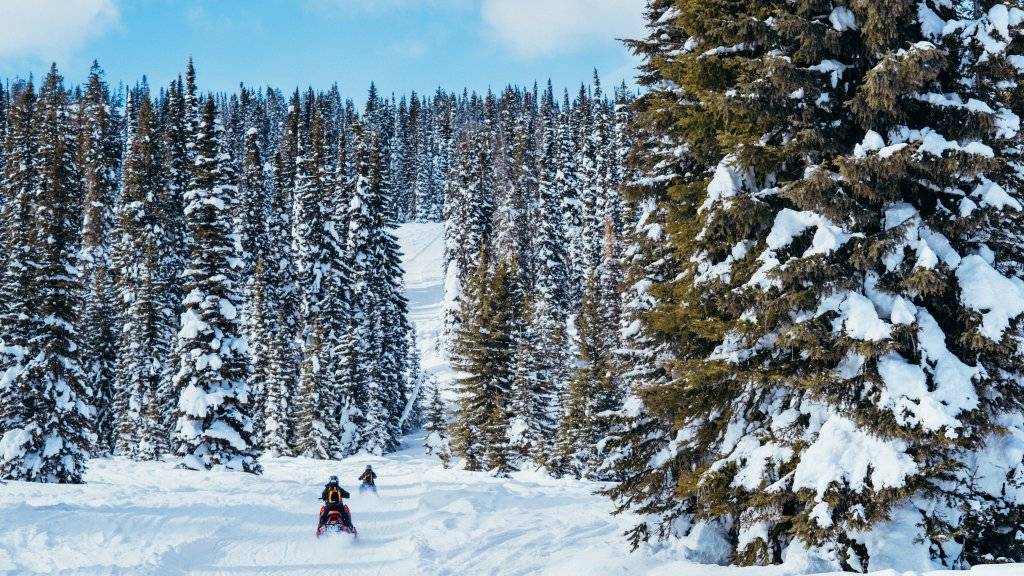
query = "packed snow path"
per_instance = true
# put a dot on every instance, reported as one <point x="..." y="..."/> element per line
<point x="423" y="249"/>
<point x="138" y="519"/>
<point x="151" y="519"/>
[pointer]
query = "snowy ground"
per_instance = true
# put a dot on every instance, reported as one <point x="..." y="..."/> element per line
<point x="151" y="519"/>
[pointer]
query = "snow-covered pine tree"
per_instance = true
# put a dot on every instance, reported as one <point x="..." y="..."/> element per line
<point x="5" y="105"/>
<point x="437" y="158"/>
<point x="530" y="416"/>
<point x="253" y="205"/>
<point x="140" y="243"/>
<point x="436" y="441"/>
<point x="282" y="293"/>
<point x="327" y="294"/>
<point x="214" y="425"/>
<point x="316" y="426"/>
<point x="845" y="369"/>
<point x="51" y="442"/>
<point x="98" y="157"/>
<point x="351" y="351"/>
<point x="191" y="111"/>
<point x="307" y="220"/>
<point x="18" y="185"/>
<point x="378" y="308"/>
<point x="259" y="336"/>
<point x="467" y="357"/>
<point x="251" y="224"/>
<point x="543" y="349"/>
<point x="644" y="434"/>
<point x="149" y="438"/>
<point x="484" y="356"/>
<point x="395" y="329"/>
<point x="176" y="170"/>
<point x="338" y="313"/>
<point x="278" y="402"/>
<point x="416" y="385"/>
<point x="528" y="134"/>
<point x="593" y="393"/>
<point x="468" y="220"/>
<point x="407" y="155"/>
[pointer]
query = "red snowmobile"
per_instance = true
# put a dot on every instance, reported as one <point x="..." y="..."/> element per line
<point x="335" y="523"/>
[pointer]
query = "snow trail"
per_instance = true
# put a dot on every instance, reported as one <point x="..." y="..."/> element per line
<point x="150" y="519"/>
<point x="423" y="249"/>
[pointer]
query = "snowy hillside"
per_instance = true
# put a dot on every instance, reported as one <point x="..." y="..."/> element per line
<point x="423" y="249"/>
<point x="136" y="518"/>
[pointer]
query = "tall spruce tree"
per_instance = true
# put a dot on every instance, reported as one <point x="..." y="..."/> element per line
<point x="214" y="425"/>
<point x="592" y="395"/>
<point x="141" y="243"/>
<point x="51" y="439"/>
<point x="277" y="408"/>
<point x="316" y="431"/>
<point x="484" y="355"/>
<point x="98" y="156"/>
<point x="437" y="441"/>
<point x="176" y="170"/>
<point x="17" y="188"/>
<point x="840" y="377"/>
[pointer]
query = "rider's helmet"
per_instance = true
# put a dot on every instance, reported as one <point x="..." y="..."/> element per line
<point x="368" y="467"/>
<point x="334" y="478"/>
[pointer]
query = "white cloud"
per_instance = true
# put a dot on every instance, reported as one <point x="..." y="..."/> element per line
<point x="533" y="28"/>
<point x="52" y="29"/>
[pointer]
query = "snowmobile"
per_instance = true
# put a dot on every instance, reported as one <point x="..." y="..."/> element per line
<point x="335" y="524"/>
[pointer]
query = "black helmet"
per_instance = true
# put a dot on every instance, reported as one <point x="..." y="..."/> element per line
<point x="368" y="467"/>
<point x="334" y="478"/>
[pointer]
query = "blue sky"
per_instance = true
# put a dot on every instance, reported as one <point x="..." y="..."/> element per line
<point x="403" y="45"/>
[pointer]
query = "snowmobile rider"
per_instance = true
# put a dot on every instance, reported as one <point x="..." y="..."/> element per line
<point x="369" y="476"/>
<point x="332" y="496"/>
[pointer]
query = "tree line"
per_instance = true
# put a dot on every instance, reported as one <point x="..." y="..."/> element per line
<point x="203" y="277"/>
<point x="535" y="227"/>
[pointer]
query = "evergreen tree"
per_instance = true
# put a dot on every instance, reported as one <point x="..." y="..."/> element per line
<point x="316" y="427"/>
<point x="277" y="405"/>
<point x="644" y="435"/>
<point x="836" y="373"/>
<point x="593" y="393"/>
<point x="484" y="356"/>
<point x="544" y="347"/>
<point x="283" y="296"/>
<point x="376" y="359"/>
<point x="176" y="170"/>
<point x="354" y="351"/>
<point x="191" y="112"/>
<point x="253" y="206"/>
<point x="541" y="366"/>
<point x="259" y="336"/>
<point x="98" y="161"/>
<point x="145" y="436"/>
<point x="140" y="289"/>
<point x="437" y="441"/>
<point x="17" y="189"/>
<point x="214" y="424"/>
<point x="49" y="439"/>
<point x="415" y="379"/>
<point x="468" y="213"/>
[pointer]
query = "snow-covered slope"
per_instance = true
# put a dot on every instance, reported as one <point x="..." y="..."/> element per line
<point x="423" y="249"/>
<point x="151" y="519"/>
